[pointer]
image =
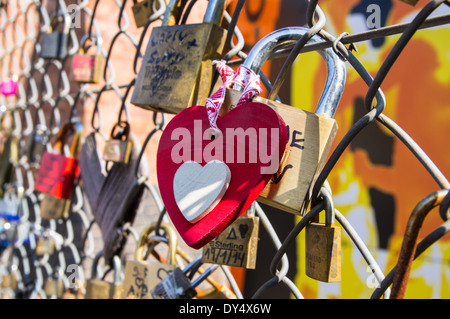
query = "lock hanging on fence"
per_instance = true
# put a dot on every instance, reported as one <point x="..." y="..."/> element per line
<point x="45" y="245"/>
<point x="35" y="144"/>
<point x="97" y="288"/>
<point x="310" y="135"/>
<point x="118" y="147"/>
<point x="178" y="285"/>
<point x="54" y="285"/>
<point x="87" y="68"/>
<point x="142" y="10"/>
<point x="176" y="70"/>
<point x="54" y="44"/>
<point x="323" y="247"/>
<point x="57" y="173"/>
<point x="237" y="244"/>
<point x="140" y="275"/>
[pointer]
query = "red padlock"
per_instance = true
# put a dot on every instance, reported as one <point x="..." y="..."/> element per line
<point x="57" y="173"/>
<point x="210" y="169"/>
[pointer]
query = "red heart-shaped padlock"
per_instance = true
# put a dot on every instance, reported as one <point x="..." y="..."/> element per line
<point x="252" y="141"/>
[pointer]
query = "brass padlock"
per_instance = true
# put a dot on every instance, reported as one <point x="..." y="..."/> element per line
<point x="310" y="135"/>
<point x="45" y="246"/>
<point x="87" y="68"/>
<point x="236" y="245"/>
<point x="54" y="286"/>
<point x="118" y="147"/>
<point x="97" y="288"/>
<point x="323" y="253"/>
<point x="52" y="206"/>
<point x="141" y="275"/>
<point x="54" y="44"/>
<point x="9" y="281"/>
<point x="177" y="67"/>
<point x="142" y="10"/>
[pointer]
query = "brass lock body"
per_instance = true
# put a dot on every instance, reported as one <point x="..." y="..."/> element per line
<point x="323" y="251"/>
<point x="310" y="135"/>
<point x="87" y="68"/>
<point x="236" y="245"/>
<point x="142" y="275"/>
<point x="97" y="288"/>
<point x="118" y="147"/>
<point x="177" y="67"/>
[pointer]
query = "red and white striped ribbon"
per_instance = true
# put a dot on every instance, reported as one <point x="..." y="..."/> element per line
<point x="243" y="77"/>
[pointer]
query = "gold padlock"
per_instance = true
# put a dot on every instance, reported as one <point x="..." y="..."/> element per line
<point x="9" y="281"/>
<point x="177" y="70"/>
<point x="44" y="246"/>
<point x="54" y="287"/>
<point x="87" y="68"/>
<point x="310" y="134"/>
<point x="323" y="253"/>
<point x="97" y="288"/>
<point x="236" y="245"/>
<point x="141" y="275"/>
<point x="142" y="10"/>
<point x="118" y="147"/>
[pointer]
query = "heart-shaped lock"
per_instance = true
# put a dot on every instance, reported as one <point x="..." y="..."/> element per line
<point x="251" y="140"/>
<point x="198" y="189"/>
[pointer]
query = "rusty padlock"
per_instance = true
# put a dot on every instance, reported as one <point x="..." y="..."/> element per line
<point x="97" y="288"/>
<point x="310" y="135"/>
<point x="87" y="68"/>
<point x="118" y="147"/>
<point x="141" y="275"/>
<point x="177" y="71"/>
<point x="323" y="253"/>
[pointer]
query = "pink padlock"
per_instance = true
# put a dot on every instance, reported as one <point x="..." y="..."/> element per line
<point x="9" y="85"/>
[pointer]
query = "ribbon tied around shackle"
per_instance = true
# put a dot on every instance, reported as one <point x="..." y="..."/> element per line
<point x="244" y="77"/>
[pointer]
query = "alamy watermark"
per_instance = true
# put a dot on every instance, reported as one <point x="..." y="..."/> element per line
<point x="242" y="146"/>
<point x="373" y="20"/>
<point x="74" y="12"/>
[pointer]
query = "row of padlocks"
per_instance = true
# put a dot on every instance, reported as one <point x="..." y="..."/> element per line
<point x="220" y="154"/>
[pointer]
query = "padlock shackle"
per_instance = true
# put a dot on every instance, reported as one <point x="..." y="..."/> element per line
<point x="287" y="37"/>
<point x="98" y="42"/>
<point x="67" y="21"/>
<point x="143" y="242"/>
<point x="75" y="127"/>
<point x="173" y="12"/>
<point x="215" y="11"/>
<point x="117" y="267"/>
